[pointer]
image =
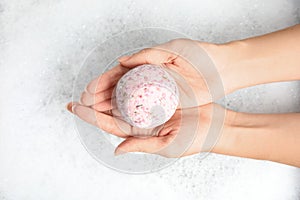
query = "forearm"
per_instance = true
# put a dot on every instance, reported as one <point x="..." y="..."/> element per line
<point x="273" y="137"/>
<point x="268" y="58"/>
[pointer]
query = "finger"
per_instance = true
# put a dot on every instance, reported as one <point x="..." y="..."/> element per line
<point x="123" y="58"/>
<point x="165" y="131"/>
<point x="106" y="80"/>
<point x="89" y="99"/>
<point x="101" y="120"/>
<point x="135" y="144"/>
<point x="103" y="106"/>
<point x="147" y="145"/>
<point x="154" y="55"/>
<point x="70" y="106"/>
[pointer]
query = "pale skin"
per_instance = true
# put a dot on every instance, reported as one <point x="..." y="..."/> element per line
<point x="269" y="58"/>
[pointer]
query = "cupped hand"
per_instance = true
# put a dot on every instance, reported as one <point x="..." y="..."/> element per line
<point x="175" y="56"/>
<point x="178" y="137"/>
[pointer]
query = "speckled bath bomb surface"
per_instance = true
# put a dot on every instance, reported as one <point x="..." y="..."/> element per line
<point x="147" y="96"/>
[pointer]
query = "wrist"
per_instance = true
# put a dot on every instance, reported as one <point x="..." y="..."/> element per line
<point x="246" y="135"/>
<point x="227" y="59"/>
<point x="263" y="59"/>
<point x="227" y="139"/>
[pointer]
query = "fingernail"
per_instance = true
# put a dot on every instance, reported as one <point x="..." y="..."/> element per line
<point x="71" y="107"/>
<point x="119" y="152"/>
<point x="124" y="58"/>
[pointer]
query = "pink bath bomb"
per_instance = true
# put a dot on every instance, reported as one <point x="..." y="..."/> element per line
<point x="147" y="96"/>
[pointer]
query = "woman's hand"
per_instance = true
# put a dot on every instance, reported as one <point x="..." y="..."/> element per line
<point x="238" y="64"/>
<point x="175" y="56"/>
<point x="178" y="137"/>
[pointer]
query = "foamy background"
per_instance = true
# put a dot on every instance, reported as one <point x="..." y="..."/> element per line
<point x="43" y="43"/>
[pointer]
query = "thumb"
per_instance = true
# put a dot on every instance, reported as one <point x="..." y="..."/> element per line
<point x="135" y="144"/>
<point x="155" y="55"/>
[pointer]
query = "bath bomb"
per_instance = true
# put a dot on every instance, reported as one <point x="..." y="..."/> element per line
<point x="147" y="96"/>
